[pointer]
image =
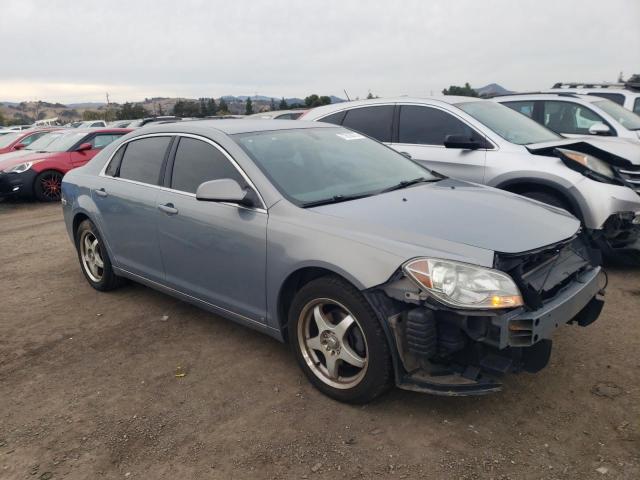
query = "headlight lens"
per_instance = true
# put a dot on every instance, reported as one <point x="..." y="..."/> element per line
<point x="21" y="168"/>
<point x="589" y="161"/>
<point x="461" y="285"/>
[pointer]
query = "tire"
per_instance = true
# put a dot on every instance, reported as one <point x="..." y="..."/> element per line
<point x="549" y="199"/>
<point x="94" y="259"/>
<point x="47" y="186"/>
<point x="360" y="367"/>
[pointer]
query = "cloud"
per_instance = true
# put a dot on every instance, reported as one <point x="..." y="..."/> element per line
<point x="64" y="51"/>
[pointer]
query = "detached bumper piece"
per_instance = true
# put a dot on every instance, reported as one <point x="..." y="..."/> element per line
<point x="455" y="352"/>
<point x="621" y="233"/>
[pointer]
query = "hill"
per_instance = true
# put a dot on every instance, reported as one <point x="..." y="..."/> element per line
<point x="28" y="112"/>
<point x="492" y="89"/>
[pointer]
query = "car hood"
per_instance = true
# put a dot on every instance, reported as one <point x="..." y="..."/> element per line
<point x="9" y="160"/>
<point x="609" y="149"/>
<point x="460" y="212"/>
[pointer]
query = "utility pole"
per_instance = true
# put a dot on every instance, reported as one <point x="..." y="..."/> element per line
<point x="107" y="116"/>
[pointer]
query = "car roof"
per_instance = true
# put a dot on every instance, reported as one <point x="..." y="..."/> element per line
<point x="580" y="90"/>
<point x="336" y="107"/>
<point x="95" y="130"/>
<point x="549" y="95"/>
<point x="231" y="126"/>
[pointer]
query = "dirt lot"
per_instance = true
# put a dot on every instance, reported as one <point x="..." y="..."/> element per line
<point x="88" y="389"/>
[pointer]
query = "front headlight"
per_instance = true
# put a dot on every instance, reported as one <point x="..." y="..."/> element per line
<point x="589" y="161"/>
<point x="461" y="285"/>
<point x="21" y="168"/>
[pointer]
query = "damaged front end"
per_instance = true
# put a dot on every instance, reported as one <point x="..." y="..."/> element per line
<point x="442" y="349"/>
<point x="617" y="229"/>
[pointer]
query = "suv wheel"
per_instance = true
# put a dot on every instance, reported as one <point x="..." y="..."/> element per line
<point x="338" y="341"/>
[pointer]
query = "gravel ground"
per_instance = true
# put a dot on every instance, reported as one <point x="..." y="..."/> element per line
<point x="135" y="384"/>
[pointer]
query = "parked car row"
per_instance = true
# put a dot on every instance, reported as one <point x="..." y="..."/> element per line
<point x="377" y="270"/>
<point x="33" y="168"/>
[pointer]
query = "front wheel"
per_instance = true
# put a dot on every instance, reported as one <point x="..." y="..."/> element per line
<point x="339" y="342"/>
<point x="48" y="186"/>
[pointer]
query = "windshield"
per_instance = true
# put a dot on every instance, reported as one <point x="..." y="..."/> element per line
<point x="57" y="141"/>
<point x="9" y="138"/>
<point x="509" y="124"/>
<point x="316" y="164"/>
<point x="624" y="117"/>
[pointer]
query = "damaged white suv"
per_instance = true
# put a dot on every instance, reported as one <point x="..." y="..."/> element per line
<point x="481" y="141"/>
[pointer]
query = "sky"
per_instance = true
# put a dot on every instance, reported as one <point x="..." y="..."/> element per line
<point x="76" y="51"/>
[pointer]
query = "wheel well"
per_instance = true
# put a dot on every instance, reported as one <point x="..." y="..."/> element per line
<point x="77" y="220"/>
<point x="525" y="187"/>
<point x="291" y="286"/>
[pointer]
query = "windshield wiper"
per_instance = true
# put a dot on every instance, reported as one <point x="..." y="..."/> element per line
<point x="335" y="199"/>
<point x="408" y="183"/>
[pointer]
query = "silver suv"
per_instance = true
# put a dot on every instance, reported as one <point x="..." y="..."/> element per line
<point x="573" y="115"/>
<point x="484" y="142"/>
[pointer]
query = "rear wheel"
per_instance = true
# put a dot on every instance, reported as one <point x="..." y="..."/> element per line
<point x="48" y="186"/>
<point x="339" y="342"/>
<point x="94" y="259"/>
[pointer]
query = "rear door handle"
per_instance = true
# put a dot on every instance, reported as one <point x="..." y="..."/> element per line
<point x="101" y="192"/>
<point x="168" y="208"/>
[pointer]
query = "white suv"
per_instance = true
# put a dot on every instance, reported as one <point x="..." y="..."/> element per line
<point x="481" y="141"/>
<point x="573" y="115"/>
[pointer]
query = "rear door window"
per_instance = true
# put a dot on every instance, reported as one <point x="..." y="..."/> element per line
<point x="372" y="121"/>
<point x="429" y="126"/>
<point x="636" y="106"/>
<point x="614" y="97"/>
<point x="335" y="118"/>
<point x="569" y="117"/>
<point x="142" y="160"/>
<point x="197" y="162"/>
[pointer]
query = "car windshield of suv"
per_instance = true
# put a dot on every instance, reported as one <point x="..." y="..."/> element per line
<point x="509" y="124"/>
<point x="9" y="138"/>
<point x="57" y="141"/>
<point x="624" y="117"/>
<point x="329" y="165"/>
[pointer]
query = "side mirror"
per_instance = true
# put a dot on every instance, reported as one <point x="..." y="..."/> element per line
<point x="224" y="190"/>
<point x="83" y="147"/>
<point x="461" y="141"/>
<point x="19" y="146"/>
<point x="599" y="129"/>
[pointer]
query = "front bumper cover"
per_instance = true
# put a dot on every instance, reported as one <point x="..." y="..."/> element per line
<point x="17" y="184"/>
<point x="506" y="342"/>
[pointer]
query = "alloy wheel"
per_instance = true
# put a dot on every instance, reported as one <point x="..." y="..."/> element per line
<point x="332" y="343"/>
<point x="92" y="260"/>
<point x="51" y="184"/>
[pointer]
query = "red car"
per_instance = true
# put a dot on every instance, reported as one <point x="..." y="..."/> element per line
<point x="37" y="170"/>
<point x="21" y="138"/>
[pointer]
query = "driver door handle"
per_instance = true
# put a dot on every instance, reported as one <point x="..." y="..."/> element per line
<point x="101" y="192"/>
<point x="168" y="208"/>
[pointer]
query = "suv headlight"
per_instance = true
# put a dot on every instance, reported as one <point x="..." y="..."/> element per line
<point x="588" y="161"/>
<point x="461" y="285"/>
<point x="21" y="168"/>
